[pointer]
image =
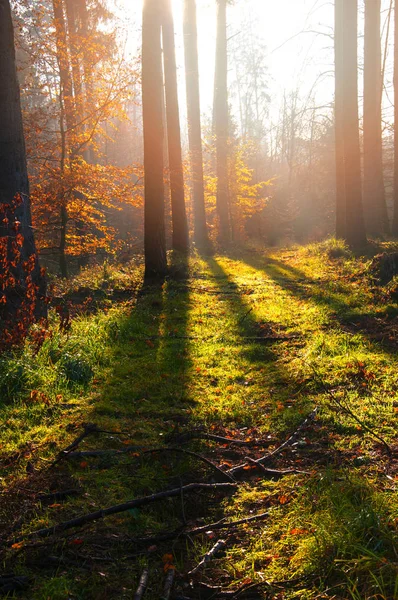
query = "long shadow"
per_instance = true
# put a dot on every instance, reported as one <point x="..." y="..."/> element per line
<point x="338" y="301"/>
<point x="261" y="354"/>
<point x="150" y="358"/>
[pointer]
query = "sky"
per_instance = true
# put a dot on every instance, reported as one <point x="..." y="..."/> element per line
<point x="297" y="35"/>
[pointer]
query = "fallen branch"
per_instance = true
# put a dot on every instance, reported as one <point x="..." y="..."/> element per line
<point x="195" y="455"/>
<point x="198" y="434"/>
<point x="172" y="535"/>
<point x="142" y="585"/>
<point x="99" y="453"/>
<point x="275" y="472"/>
<point x="56" y="496"/>
<point x="88" y="429"/>
<point x="118" y="508"/>
<point x="220" y="545"/>
<point x="260" y="461"/>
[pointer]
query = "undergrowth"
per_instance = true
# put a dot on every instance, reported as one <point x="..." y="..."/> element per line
<point x="243" y="346"/>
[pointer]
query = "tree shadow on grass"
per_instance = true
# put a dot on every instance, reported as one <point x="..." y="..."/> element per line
<point x="333" y="295"/>
<point x="150" y="360"/>
<point x="268" y="385"/>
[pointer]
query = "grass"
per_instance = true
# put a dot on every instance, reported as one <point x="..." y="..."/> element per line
<point x="188" y="353"/>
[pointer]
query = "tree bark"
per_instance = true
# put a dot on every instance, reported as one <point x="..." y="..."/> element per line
<point x="180" y="237"/>
<point x="221" y="122"/>
<point x="395" y="219"/>
<point x="375" y="209"/>
<point x="68" y="114"/>
<point x="338" y="118"/>
<point x="14" y="185"/>
<point x="355" y="229"/>
<point x="152" y="99"/>
<point x="194" y="123"/>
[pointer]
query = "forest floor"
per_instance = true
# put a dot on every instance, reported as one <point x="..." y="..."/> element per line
<point x="243" y="347"/>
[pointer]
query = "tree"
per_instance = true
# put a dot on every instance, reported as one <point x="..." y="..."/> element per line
<point x="338" y="118"/>
<point x="375" y="209"/>
<point x="194" y="122"/>
<point x="152" y="100"/>
<point x="20" y="276"/>
<point x="180" y="237"/>
<point x="395" y="218"/>
<point x="355" y="229"/>
<point x="221" y="122"/>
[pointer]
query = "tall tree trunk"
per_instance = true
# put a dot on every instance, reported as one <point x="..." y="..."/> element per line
<point x="395" y="220"/>
<point x="355" y="229"/>
<point x="180" y="237"/>
<point x="67" y="113"/>
<point x="152" y="99"/>
<point x="194" y="123"/>
<point x="74" y="43"/>
<point x="89" y="151"/>
<point x="221" y="122"/>
<point x="16" y="232"/>
<point x="338" y="118"/>
<point x="375" y="209"/>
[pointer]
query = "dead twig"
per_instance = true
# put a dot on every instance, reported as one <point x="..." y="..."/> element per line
<point x="195" y="455"/>
<point x="118" y="508"/>
<point x="198" y="434"/>
<point x="281" y="448"/>
<point x="275" y="472"/>
<point x="220" y="545"/>
<point x="168" y="584"/>
<point x="142" y="585"/>
<point x="171" y="535"/>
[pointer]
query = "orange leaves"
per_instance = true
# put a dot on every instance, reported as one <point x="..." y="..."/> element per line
<point x="284" y="499"/>
<point x="297" y="531"/>
<point x="168" y="561"/>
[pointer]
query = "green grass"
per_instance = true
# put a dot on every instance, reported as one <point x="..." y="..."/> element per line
<point x="181" y="355"/>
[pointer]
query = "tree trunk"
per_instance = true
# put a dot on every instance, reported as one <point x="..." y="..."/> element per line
<point x="395" y="220"/>
<point x="16" y="232"/>
<point x="338" y="118"/>
<point x="67" y="113"/>
<point x="180" y="237"/>
<point x="194" y="123"/>
<point x="355" y="229"/>
<point x="221" y="122"/>
<point x="375" y="209"/>
<point x="152" y="99"/>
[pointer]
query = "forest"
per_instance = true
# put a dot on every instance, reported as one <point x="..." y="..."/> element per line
<point x="198" y="299"/>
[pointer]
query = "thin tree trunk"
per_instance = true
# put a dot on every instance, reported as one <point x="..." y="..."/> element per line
<point x="375" y="208"/>
<point x="395" y="220"/>
<point x="221" y="122"/>
<point x="152" y="99"/>
<point x="338" y="118"/>
<point x="355" y="229"/>
<point x="16" y="230"/>
<point x="194" y="123"/>
<point x="180" y="237"/>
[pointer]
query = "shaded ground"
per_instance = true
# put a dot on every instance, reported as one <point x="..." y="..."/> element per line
<point x="242" y="348"/>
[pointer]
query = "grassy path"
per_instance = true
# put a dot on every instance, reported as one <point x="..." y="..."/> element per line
<point x="241" y="346"/>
